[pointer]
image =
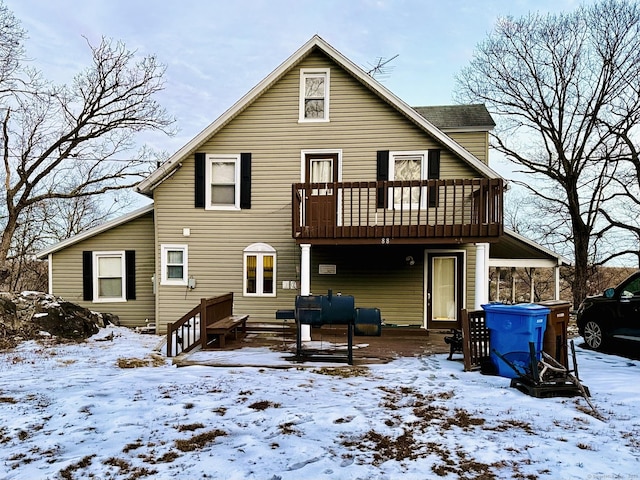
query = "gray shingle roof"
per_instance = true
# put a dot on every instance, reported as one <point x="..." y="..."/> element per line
<point x="458" y="116"/>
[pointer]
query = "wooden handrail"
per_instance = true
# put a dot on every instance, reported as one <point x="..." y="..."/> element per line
<point x="191" y="329"/>
<point x="466" y="209"/>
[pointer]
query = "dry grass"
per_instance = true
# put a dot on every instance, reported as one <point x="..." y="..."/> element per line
<point x="67" y="473"/>
<point x="197" y="442"/>
<point x="263" y="405"/>
<point x="153" y="361"/>
<point x="342" y="372"/>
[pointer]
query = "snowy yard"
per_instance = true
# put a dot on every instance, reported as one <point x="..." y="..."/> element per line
<point x="72" y="411"/>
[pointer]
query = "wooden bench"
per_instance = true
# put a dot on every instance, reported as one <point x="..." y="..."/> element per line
<point x="220" y="328"/>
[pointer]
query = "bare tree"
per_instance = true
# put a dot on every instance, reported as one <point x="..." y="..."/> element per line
<point x="75" y="141"/>
<point x="559" y="85"/>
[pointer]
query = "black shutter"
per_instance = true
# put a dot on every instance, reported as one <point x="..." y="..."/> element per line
<point x="382" y="174"/>
<point x="130" y="269"/>
<point x="199" y="183"/>
<point x="245" y="180"/>
<point x="433" y="174"/>
<point x="87" y="276"/>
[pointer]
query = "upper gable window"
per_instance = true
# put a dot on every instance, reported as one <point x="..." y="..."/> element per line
<point x="314" y="95"/>
<point x="223" y="186"/>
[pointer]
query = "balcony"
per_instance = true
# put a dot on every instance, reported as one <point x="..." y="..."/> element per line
<point x="448" y="211"/>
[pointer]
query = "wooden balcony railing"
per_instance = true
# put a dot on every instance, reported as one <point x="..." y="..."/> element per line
<point x="425" y="211"/>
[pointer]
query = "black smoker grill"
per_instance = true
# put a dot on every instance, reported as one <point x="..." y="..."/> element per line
<point x="318" y="310"/>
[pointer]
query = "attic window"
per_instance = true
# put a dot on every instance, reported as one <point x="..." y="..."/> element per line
<point x="314" y="95"/>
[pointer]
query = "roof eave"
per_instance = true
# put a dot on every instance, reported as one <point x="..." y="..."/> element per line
<point x="92" y="232"/>
<point x="560" y="259"/>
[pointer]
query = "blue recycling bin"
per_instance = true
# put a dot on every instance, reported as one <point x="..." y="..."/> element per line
<point x="511" y="329"/>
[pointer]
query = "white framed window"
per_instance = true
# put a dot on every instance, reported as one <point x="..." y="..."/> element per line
<point x="314" y="95"/>
<point x="174" y="263"/>
<point x="222" y="188"/>
<point x="259" y="270"/>
<point x="109" y="279"/>
<point x="408" y="166"/>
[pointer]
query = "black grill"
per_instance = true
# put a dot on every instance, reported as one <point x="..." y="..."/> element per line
<point x="330" y="309"/>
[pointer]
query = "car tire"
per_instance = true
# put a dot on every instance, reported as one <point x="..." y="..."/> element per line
<point x="593" y="335"/>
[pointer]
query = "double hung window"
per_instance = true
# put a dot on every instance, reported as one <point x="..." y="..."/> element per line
<point x="109" y="277"/>
<point x="314" y="95"/>
<point x="174" y="265"/>
<point x="223" y="174"/>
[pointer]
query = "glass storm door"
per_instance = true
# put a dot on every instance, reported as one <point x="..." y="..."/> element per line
<point x="444" y="296"/>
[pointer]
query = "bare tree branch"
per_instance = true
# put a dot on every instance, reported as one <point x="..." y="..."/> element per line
<point x="60" y="143"/>
<point x="564" y="91"/>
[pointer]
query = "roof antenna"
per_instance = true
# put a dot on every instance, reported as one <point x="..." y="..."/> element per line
<point x="381" y="69"/>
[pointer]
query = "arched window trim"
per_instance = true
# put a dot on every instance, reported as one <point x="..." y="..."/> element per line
<point x="258" y="281"/>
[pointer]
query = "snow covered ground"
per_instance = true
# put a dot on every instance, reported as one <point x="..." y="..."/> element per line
<point x="72" y="411"/>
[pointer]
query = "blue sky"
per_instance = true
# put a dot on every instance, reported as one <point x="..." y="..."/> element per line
<point x="216" y="50"/>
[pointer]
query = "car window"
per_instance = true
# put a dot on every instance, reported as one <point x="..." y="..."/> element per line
<point x="633" y="287"/>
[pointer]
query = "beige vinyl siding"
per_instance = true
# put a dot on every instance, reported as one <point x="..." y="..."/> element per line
<point x="135" y="235"/>
<point x="476" y="143"/>
<point x="360" y="125"/>
<point x="376" y="277"/>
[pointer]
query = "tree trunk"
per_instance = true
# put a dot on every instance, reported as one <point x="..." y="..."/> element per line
<point x="5" y="246"/>
<point x="581" y="253"/>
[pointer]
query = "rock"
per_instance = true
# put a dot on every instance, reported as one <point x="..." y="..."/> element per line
<point x="29" y="315"/>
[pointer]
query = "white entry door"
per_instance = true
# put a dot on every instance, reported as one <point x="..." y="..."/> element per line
<point x="444" y="296"/>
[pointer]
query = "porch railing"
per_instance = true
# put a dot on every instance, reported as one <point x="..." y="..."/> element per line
<point x="191" y="330"/>
<point x="424" y="209"/>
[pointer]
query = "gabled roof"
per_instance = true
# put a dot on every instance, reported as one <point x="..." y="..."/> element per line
<point x="92" y="232"/>
<point x="155" y="178"/>
<point x="450" y="118"/>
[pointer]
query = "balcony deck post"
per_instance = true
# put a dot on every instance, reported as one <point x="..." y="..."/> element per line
<point x="305" y="283"/>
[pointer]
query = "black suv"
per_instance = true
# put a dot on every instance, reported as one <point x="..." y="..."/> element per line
<point x="614" y="315"/>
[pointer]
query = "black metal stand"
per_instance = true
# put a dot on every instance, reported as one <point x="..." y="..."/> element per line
<point x="302" y="355"/>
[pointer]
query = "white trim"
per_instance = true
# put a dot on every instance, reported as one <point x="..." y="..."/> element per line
<point x="424" y="174"/>
<point x="260" y="247"/>
<point x="50" y="272"/>
<point x="319" y="151"/>
<point x="166" y="247"/>
<point x="303" y="175"/>
<point x="259" y="250"/>
<point x="95" y="278"/>
<point x="235" y="158"/>
<point x="95" y="231"/>
<point x="314" y="72"/>
<point x="522" y="262"/>
<point x="481" y="294"/>
<point x="149" y="183"/>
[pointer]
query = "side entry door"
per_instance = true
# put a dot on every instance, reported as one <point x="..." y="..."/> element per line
<point x="444" y="289"/>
